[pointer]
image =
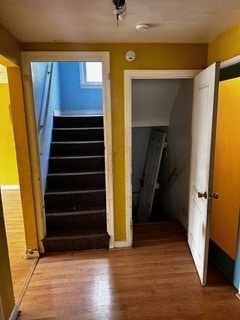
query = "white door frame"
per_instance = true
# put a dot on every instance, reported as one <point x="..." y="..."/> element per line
<point x="52" y="56"/>
<point x="130" y="75"/>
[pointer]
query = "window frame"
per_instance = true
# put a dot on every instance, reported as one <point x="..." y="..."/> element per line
<point x="83" y="77"/>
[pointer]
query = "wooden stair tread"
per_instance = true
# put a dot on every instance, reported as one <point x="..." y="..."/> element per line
<point x="78" y="128"/>
<point x="88" y="210"/>
<point x="76" y="157"/>
<point x="73" y="191"/>
<point x="75" y="173"/>
<point x="76" y="232"/>
<point x="77" y="142"/>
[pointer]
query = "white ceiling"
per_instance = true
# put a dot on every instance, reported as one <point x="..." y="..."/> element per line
<point x="153" y="101"/>
<point x="180" y="21"/>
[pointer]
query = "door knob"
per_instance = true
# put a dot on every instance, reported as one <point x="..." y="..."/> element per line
<point x="202" y="195"/>
<point x="213" y="195"/>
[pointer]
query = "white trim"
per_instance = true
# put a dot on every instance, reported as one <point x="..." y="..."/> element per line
<point x="104" y="57"/>
<point x="129" y="75"/>
<point x="14" y="314"/>
<point x="121" y="244"/>
<point x="230" y="62"/>
<point x="91" y="112"/>
<point x="10" y="187"/>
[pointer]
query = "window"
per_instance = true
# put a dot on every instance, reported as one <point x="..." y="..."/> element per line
<point x="91" y="74"/>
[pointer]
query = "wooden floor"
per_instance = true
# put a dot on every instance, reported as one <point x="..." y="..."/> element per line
<point x="20" y="267"/>
<point x="155" y="280"/>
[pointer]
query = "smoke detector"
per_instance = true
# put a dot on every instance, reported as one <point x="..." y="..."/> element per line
<point x="142" y="27"/>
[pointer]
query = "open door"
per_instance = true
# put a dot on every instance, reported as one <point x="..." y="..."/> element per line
<point x="204" y="104"/>
<point x="150" y="175"/>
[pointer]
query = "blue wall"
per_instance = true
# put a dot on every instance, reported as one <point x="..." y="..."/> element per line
<point x="236" y="279"/>
<point x="73" y="97"/>
<point x="39" y="73"/>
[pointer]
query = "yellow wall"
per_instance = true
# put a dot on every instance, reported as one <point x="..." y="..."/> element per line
<point x="9" y="48"/>
<point x="23" y="159"/>
<point x="8" y="165"/>
<point x="226" y="46"/>
<point x="148" y="56"/>
<point x="226" y="176"/>
<point x="9" y="55"/>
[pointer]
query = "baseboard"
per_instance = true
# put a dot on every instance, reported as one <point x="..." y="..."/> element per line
<point x="10" y="187"/>
<point x="78" y="112"/>
<point x="121" y="244"/>
<point x="183" y="219"/>
<point x="222" y="260"/>
<point x="14" y="314"/>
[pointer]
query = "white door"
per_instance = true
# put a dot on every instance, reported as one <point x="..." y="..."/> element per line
<point x="150" y="175"/>
<point x="205" y="85"/>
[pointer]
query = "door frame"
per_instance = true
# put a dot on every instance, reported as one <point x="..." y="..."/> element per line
<point x="130" y="75"/>
<point x="58" y="56"/>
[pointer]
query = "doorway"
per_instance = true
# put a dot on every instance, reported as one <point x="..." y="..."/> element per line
<point x="224" y="231"/>
<point x="178" y="77"/>
<point x="10" y="194"/>
<point x="103" y="57"/>
<point x="162" y="107"/>
<point x="129" y="76"/>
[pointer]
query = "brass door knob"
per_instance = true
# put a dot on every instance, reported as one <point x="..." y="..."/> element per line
<point x="213" y="195"/>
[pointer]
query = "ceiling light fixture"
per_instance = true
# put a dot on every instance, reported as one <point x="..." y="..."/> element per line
<point x="142" y="27"/>
<point x="120" y="11"/>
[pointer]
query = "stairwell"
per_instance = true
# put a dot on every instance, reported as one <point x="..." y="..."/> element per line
<point x="75" y="197"/>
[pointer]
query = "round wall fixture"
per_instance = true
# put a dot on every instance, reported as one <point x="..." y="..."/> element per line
<point x="142" y="27"/>
<point x="130" y="55"/>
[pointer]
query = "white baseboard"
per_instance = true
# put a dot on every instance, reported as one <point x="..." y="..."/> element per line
<point x="121" y="244"/>
<point x="10" y="187"/>
<point x="14" y="313"/>
<point x="78" y="112"/>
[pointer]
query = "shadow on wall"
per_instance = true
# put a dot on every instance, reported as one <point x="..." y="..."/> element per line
<point x="172" y="197"/>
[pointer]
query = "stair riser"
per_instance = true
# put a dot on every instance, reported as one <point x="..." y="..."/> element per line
<point x="78" y="221"/>
<point x="77" y="135"/>
<point x="75" y="244"/>
<point x="77" y="122"/>
<point x="72" y="149"/>
<point x="76" y="181"/>
<point x="74" y="201"/>
<point x="73" y="217"/>
<point x="76" y="165"/>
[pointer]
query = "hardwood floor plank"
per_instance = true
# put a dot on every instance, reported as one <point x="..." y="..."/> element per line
<point x="21" y="268"/>
<point x="156" y="280"/>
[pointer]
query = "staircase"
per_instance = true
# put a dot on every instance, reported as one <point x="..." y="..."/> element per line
<point x="75" y="197"/>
